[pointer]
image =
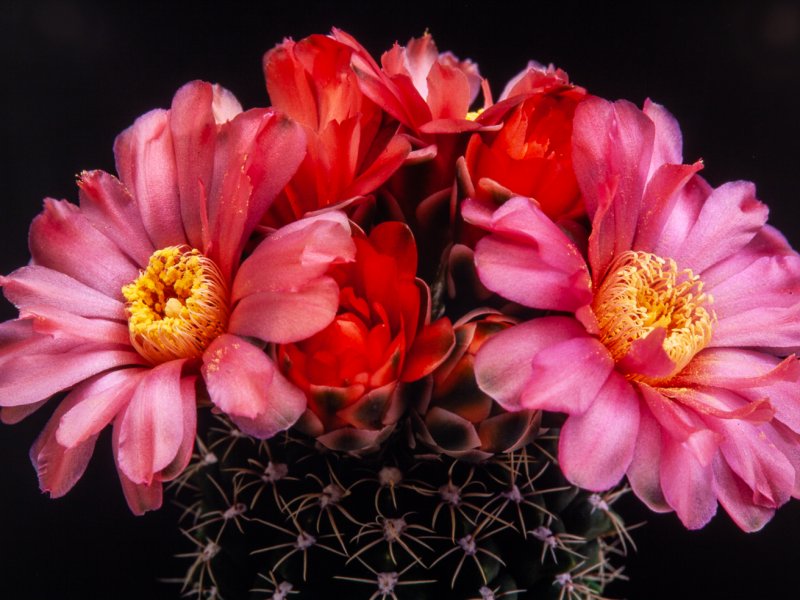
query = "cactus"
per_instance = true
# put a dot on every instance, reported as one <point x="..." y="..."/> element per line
<point x="287" y="519"/>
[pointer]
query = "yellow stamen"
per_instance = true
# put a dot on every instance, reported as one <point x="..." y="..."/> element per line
<point x="474" y="114"/>
<point x="643" y="292"/>
<point x="177" y="305"/>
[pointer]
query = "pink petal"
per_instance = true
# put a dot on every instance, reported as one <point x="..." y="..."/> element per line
<point x="257" y="165"/>
<point x="788" y="442"/>
<point x="94" y="404"/>
<point x="504" y="365"/>
<point x="152" y="425"/>
<point x="769" y="318"/>
<point x="29" y="378"/>
<point x="54" y="321"/>
<point x="193" y="130"/>
<point x="286" y="405"/>
<point x="35" y="285"/>
<point x="665" y="190"/>
<point x="644" y="472"/>
<point x="111" y="210"/>
<point x="676" y="421"/>
<point x="140" y="497"/>
<point x="244" y="383"/>
<point x="237" y="375"/>
<point x="568" y="376"/>
<point x="752" y="375"/>
<point x="751" y="454"/>
<point x="62" y="239"/>
<point x="184" y="454"/>
<point x="224" y="105"/>
<point x="59" y="468"/>
<point x="529" y="260"/>
<point x="11" y="415"/>
<point x="687" y="481"/>
<point x="611" y="154"/>
<point x="730" y="217"/>
<point x="737" y="499"/>
<point x="296" y="255"/>
<point x="647" y="356"/>
<point x="146" y="165"/>
<point x="595" y="448"/>
<point x="287" y="316"/>
<point x="668" y="146"/>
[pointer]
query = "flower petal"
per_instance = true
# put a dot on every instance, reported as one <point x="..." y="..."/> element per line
<point x="737" y="499"/>
<point x="193" y="131"/>
<point x="644" y="472"/>
<point x="184" y="454"/>
<point x="668" y="146"/>
<point x="753" y="375"/>
<point x="57" y="467"/>
<point x="528" y="259"/>
<point x="296" y="255"/>
<point x="244" y="383"/>
<point x="612" y="146"/>
<point x="146" y="165"/>
<point x="596" y="447"/>
<point x="106" y="203"/>
<point x="95" y="403"/>
<point x="284" y="317"/>
<point x="152" y="425"/>
<point x="555" y="385"/>
<point x="730" y="217"/>
<point x="265" y="153"/>
<point x="140" y="497"/>
<point x="35" y="285"/>
<point x="430" y="348"/>
<point x="769" y="318"/>
<point x="62" y="239"/>
<point x="516" y="365"/>
<point x="28" y="378"/>
<point x="237" y="375"/>
<point x="687" y="481"/>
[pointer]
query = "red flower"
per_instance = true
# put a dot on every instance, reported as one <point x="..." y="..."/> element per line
<point x="355" y="371"/>
<point x="353" y="145"/>
<point x="426" y="91"/>
<point x="530" y="155"/>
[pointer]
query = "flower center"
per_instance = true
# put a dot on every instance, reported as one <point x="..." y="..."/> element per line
<point x="177" y="305"/>
<point x="644" y="292"/>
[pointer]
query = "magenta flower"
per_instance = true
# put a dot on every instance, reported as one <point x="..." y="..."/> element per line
<point x="128" y="294"/>
<point x="668" y="368"/>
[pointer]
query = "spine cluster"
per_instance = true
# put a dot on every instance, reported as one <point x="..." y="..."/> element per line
<point x="281" y="519"/>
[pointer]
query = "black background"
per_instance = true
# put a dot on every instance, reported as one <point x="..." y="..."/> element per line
<point x="74" y="74"/>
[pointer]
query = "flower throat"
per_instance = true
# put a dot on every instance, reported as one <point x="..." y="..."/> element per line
<point x="177" y="305"/>
<point x="644" y="292"/>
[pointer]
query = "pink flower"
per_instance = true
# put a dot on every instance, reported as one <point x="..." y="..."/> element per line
<point x="669" y="366"/>
<point x="128" y="294"/>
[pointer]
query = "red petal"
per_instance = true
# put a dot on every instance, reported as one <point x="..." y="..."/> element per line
<point x="431" y="348"/>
